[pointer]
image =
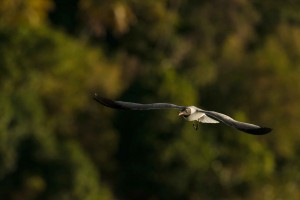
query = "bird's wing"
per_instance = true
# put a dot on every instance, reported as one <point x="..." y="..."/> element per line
<point x="122" y="105"/>
<point x="242" y="126"/>
<point x="208" y="120"/>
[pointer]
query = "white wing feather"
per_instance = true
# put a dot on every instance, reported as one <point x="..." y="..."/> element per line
<point x="200" y="117"/>
<point x="205" y="119"/>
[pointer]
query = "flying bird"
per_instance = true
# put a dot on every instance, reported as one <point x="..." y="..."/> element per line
<point x="190" y="113"/>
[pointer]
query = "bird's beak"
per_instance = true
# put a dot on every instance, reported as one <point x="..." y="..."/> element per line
<point x="181" y="113"/>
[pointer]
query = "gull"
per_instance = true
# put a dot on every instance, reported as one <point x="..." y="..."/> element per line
<point x="189" y="113"/>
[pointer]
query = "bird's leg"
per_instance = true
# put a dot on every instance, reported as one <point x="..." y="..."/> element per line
<point x="196" y="126"/>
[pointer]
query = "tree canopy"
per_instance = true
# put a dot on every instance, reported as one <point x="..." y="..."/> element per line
<point x="238" y="57"/>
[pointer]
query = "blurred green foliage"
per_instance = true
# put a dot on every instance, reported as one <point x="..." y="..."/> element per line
<point x="238" y="57"/>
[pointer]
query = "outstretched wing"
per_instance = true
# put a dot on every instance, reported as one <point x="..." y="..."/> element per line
<point x="122" y="105"/>
<point x="242" y="126"/>
<point x="208" y="120"/>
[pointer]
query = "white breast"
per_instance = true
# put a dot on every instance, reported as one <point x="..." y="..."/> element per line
<point x="195" y="116"/>
<point x="201" y="117"/>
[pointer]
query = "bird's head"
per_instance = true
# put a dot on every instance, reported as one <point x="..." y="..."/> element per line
<point x="186" y="112"/>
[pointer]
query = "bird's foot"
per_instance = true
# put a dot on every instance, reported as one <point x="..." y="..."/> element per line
<point x="196" y="126"/>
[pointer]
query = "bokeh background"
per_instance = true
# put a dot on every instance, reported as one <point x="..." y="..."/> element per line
<point x="239" y="57"/>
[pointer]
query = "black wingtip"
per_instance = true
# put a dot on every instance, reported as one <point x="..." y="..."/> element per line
<point x="257" y="131"/>
<point x="107" y="102"/>
<point x="98" y="98"/>
<point x="102" y="100"/>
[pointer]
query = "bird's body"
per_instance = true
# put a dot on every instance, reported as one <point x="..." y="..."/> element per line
<point x="197" y="114"/>
<point x="190" y="113"/>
